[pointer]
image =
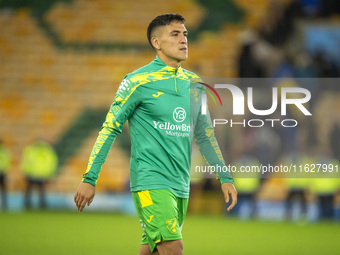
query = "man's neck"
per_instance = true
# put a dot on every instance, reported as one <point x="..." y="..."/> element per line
<point x="169" y="62"/>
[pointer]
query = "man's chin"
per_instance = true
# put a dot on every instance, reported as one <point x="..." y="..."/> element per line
<point x="182" y="59"/>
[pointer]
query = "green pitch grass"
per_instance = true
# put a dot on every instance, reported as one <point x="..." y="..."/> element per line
<point x="105" y="233"/>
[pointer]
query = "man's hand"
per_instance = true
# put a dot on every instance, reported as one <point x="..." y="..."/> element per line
<point x="84" y="195"/>
<point x="229" y="188"/>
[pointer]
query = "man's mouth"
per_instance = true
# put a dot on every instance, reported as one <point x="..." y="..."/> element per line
<point x="183" y="49"/>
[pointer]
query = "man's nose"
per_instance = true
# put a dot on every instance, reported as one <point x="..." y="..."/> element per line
<point x="184" y="39"/>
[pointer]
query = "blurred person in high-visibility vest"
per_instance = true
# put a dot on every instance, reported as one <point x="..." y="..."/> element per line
<point x="297" y="185"/>
<point x="247" y="184"/>
<point x="296" y="198"/>
<point x="5" y="160"/>
<point x="324" y="192"/>
<point x="39" y="164"/>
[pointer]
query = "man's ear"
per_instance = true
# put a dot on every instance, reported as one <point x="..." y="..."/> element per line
<point x="156" y="43"/>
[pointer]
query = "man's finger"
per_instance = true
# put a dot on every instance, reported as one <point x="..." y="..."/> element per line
<point x="82" y="205"/>
<point x="76" y="197"/>
<point x="226" y="197"/>
<point x="80" y="200"/>
<point x="84" y="195"/>
<point x="233" y="201"/>
<point x="89" y="202"/>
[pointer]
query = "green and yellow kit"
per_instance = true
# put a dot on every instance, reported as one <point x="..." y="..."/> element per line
<point x="163" y="107"/>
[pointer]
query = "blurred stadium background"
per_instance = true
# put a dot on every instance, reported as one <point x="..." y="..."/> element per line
<point x="62" y="61"/>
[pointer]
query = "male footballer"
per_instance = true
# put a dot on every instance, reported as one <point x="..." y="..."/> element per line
<point x="163" y="105"/>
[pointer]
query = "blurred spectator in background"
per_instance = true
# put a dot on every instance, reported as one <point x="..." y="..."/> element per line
<point x="266" y="145"/>
<point x="325" y="66"/>
<point x="304" y="68"/>
<point x="311" y="8"/>
<point x="39" y="164"/>
<point x="247" y="184"/>
<point x="248" y="65"/>
<point x="257" y="56"/>
<point x="323" y="193"/>
<point x="334" y="139"/>
<point x="297" y="185"/>
<point x="5" y="160"/>
<point x="296" y="198"/>
<point x="279" y="23"/>
<point x="329" y="7"/>
<point x="285" y="69"/>
<point x="306" y="73"/>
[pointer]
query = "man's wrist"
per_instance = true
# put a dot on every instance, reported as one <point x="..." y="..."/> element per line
<point x="224" y="180"/>
<point x="89" y="180"/>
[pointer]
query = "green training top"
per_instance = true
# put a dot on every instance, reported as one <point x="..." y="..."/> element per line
<point x="162" y="105"/>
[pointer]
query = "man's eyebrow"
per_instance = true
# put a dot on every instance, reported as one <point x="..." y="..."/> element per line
<point x="177" y="31"/>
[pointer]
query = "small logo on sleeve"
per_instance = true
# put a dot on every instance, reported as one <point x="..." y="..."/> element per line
<point x="123" y="88"/>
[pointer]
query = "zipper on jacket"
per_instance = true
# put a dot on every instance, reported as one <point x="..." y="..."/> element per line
<point x="175" y="81"/>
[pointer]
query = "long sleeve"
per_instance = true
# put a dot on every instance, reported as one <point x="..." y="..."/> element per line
<point x="125" y="102"/>
<point x="206" y="142"/>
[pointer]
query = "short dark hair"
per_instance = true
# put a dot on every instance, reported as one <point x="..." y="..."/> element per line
<point x="163" y="20"/>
